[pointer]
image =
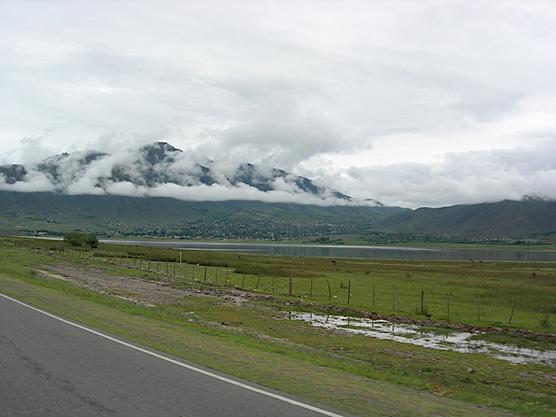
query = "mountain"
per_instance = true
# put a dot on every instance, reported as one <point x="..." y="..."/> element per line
<point x="161" y="216"/>
<point x="159" y="190"/>
<point x="189" y="196"/>
<point x="160" y="169"/>
<point x="502" y="220"/>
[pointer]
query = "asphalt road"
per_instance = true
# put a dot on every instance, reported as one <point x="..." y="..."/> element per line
<point x="52" y="368"/>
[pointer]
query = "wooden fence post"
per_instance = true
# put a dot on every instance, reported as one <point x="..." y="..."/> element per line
<point x="393" y="300"/>
<point x="329" y="291"/>
<point x="290" y="286"/>
<point x="512" y="313"/>
<point x="349" y="292"/>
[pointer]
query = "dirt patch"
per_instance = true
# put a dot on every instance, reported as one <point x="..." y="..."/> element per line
<point x="134" y="289"/>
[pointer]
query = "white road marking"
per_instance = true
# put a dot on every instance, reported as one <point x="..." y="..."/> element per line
<point x="183" y="365"/>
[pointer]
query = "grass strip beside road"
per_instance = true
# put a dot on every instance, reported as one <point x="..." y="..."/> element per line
<point x="271" y="366"/>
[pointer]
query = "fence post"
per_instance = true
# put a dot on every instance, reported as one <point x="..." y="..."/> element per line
<point x="393" y="300"/>
<point x="512" y="313"/>
<point x="349" y="291"/>
<point x="422" y="302"/>
<point x="290" y="286"/>
<point x="205" y="278"/>
<point x="329" y="291"/>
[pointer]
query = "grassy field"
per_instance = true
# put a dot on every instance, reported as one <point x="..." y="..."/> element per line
<point x="475" y="293"/>
<point x="355" y="374"/>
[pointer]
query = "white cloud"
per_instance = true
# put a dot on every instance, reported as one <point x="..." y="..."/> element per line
<point x="458" y="178"/>
<point x="138" y="173"/>
<point x="313" y="87"/>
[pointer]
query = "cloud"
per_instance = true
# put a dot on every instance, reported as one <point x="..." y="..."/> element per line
<point x="160" y="171"/>
<point x="458" y="178"/>
<point x="391" y="88"/>
<point x="423" y="175"/>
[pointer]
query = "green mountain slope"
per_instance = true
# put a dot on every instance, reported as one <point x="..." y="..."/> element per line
<point x="166" y="216"/>
<point x="505" y="219"/>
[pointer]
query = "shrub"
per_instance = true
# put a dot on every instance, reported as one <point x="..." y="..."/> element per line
<point x="78" y="239"/>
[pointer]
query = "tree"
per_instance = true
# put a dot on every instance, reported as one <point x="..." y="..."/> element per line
<point x="78" y="239"/>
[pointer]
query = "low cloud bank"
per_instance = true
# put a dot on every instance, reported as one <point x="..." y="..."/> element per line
<point x="160" y="170"/>
<point x="458" y="178"/>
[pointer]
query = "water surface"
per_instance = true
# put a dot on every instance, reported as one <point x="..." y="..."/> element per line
<point x="352" y="251"/>
<point x="416" y="335"/>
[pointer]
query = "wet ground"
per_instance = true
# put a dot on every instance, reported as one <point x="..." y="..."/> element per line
<point x="150" y="293"/>
<point x="440" y="339"/>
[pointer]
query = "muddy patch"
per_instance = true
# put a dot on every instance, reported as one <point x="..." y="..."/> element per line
<point x="134" y="289"/>
<point x="416" y="335"/>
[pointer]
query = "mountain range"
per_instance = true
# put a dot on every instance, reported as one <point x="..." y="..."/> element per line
<point x="182" y="196"/>
<point x="161" y="170"/>
<point x="530" y="217"/>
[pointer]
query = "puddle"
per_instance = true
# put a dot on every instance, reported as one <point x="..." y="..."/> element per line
<point x="415" y="335"/>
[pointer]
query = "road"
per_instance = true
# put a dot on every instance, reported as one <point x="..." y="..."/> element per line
<point x="50" y="367"/>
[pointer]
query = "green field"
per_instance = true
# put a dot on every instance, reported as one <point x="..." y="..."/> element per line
<point x="476" y="293"/>
<point x="355" y="374"/>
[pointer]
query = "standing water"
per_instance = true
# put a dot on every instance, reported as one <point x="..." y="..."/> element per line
<point x="416" y="335"/>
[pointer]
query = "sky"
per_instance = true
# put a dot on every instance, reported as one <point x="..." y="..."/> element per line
<point x="427" y="103"/>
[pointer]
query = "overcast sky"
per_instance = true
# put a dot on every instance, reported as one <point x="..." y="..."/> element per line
<point x="413" y="103"/>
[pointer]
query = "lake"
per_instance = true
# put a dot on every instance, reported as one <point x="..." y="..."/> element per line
<point x="352" y="251"/>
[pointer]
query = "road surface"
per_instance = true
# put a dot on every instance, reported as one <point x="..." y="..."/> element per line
<point x="49" y="367"/>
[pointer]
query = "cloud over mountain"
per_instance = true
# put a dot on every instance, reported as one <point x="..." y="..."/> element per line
<point x="413" y="103"/>
<point x="161" y="170"/>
